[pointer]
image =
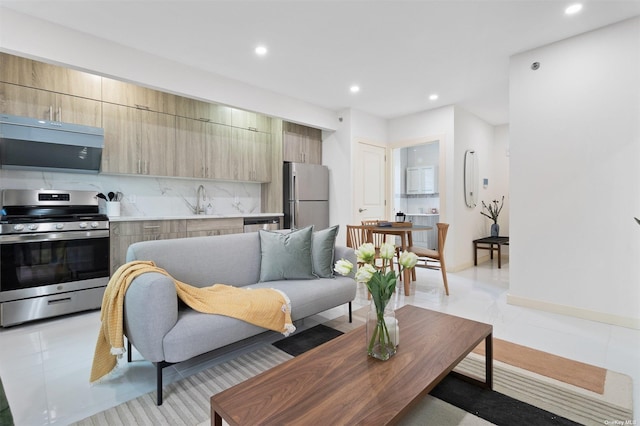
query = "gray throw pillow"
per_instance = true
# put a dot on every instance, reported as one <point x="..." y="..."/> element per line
<point x="286" y="256"/>
<point x="322" y="251"/>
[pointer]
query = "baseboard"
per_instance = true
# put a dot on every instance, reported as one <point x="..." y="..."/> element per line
<point x="481" y="259"/>
<point x="573" y="311"/>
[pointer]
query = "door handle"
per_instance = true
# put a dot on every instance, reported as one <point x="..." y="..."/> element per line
<point x="360" y="210"/>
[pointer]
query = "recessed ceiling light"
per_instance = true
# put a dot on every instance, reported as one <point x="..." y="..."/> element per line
<point x="354" y="89"/>
<point x="261" y="50"/>
<point x="573" y="9"/>
<point x="433" y="97"/>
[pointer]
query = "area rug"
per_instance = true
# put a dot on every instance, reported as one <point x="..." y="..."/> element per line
<point x="299" y="343"/>
<point x="187" y="401"/>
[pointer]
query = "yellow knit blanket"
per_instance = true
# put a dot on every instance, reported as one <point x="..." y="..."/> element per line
<point x="264" y="307"/>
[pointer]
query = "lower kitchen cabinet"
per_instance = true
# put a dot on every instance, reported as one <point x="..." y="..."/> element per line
<point x="207" y="227"/>
<point x="123" y="234"/>
<point x="426" y="239"/>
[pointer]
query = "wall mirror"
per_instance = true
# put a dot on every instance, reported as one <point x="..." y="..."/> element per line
<point x="470" y="178"/>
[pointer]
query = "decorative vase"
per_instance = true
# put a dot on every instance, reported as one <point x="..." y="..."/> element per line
<point x="383" y="333"/>
<point x="495" y="229"/>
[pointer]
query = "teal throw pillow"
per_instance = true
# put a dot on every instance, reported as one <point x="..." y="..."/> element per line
<point x="286" y="256"/>
<point x="322" y="251"/>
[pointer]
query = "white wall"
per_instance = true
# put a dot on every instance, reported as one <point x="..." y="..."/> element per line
<point x="498" y="176"/>
<point x="336" y="154"/>
<point x="467" y="224"/>
<point x="338" y="149"/>
<point x="575" y="180"/>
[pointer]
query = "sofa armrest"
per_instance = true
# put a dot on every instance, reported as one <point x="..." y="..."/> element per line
<point x="346" y="253"/>
<point x="150" y="311"/>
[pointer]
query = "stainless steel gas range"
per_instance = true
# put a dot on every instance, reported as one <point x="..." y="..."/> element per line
<point x="54" y="248"/>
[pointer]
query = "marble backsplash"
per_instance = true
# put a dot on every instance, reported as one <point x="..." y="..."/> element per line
<point x="143" y="195"/>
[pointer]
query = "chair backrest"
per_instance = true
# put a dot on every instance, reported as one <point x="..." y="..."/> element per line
<point x="376" y="239"/>
<point x="357" y="235"/>
<point x="443" y="228"/>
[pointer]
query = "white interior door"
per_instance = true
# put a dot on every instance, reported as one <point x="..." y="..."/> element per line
<point x="370" y="183"/>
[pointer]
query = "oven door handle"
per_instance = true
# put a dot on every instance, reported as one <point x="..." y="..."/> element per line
<point x="53" y="236"/>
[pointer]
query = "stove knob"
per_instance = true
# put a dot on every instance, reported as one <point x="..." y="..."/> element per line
<point x="59" y="225"/>
<point x="18" y="227"/>
<point x="33" y="226"/>
<point x="94" y="224"/>
<point x="82" y="225"/>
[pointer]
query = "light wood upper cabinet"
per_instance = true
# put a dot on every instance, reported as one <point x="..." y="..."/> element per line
<point x="46" y="105"/>
<point x="53" y="78"/>
<point x="191" y="148"/>
<point x="251" y="153"/>
<point x="138" y="141"/>
<point x="250" y="120"/>
<point x="203" y="150"/>
<point x="203" y="111"/>
<point x="300" y="148"/>
<point x="121" y="93"/>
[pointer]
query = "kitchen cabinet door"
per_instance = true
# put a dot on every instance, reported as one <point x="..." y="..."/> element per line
<point x="66" y="80"/>
<point x="251" y="152"/>
<point x="421" y="180"/>
<point x="121" y="152"/>
<point x="16" y="70"/>
<point x="52" y="78"/>
<point x="123" y="234"/>
<point x="157" y="136"/>
<point x="203" y="111"/>
<point x="138" y="141"/>
<point x="142" y="98"/>
<point x="191" y="148"/>
<point x="302" y="145"/>
<point x="208" y="227"/>
<point x="45" y="105"/>
<point x="250" y="121"/>
<point x="220" y="161"/>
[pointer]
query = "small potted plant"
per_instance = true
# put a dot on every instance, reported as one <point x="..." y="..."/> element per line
<point x="493" y="210"/>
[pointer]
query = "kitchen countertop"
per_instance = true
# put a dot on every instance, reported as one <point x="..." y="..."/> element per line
<point x="193" y="216"/>
<point x="422" y="214"/>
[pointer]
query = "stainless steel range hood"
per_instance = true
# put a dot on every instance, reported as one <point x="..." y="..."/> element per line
<point x="32" y="144"/>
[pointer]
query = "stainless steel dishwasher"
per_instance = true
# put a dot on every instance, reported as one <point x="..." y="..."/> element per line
<point x="253" y="224"/>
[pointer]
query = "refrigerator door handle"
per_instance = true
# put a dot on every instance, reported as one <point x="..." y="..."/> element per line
<point x="296" y="202"/>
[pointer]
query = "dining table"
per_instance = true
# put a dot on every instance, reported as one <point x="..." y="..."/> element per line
<point x="405" y="232"/>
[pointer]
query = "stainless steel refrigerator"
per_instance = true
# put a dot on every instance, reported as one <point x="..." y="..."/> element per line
<point x="306" y="195"/>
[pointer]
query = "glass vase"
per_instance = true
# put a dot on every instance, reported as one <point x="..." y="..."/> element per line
<point x="495" y="230"/>
<point x="383" y="333"/>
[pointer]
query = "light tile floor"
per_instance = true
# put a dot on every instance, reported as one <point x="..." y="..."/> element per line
<point x="45" y="365"/>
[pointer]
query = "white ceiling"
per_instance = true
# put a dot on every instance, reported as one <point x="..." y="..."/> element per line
<point x="398" y="52"/>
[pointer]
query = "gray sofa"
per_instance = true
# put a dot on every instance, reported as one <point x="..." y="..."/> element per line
<point x="165" y="331"/>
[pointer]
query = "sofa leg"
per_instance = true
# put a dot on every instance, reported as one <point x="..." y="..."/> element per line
<point x="128" y="350"/>
<point x="350" y="315"/>
<point x="159" y="366"/>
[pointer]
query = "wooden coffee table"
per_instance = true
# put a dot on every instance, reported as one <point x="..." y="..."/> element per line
<point x="337" y="383"/>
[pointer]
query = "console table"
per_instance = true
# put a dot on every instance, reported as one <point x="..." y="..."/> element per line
<point x="492" y="244"/>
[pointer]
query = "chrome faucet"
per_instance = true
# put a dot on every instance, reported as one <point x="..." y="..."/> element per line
<point x="199" y="206"/>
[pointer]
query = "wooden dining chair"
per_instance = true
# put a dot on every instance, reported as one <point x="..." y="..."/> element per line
<point x="434" y="259"/>
<point x="357" y="235"/>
